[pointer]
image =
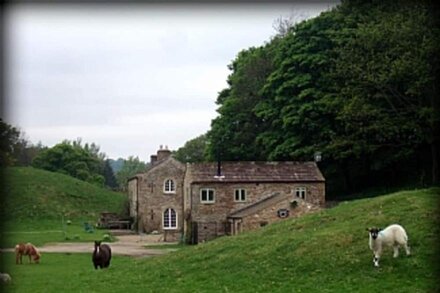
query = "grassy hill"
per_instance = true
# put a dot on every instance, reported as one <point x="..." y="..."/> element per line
<point x="38" y="200"/>
<point x="324" y="252"/>
<point x="327" y="251"/>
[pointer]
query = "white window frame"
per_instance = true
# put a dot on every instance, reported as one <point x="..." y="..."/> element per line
<point x="300" y="192"/>
<point x="207" y="190"/>
<point x="167" y="223"/>
<point x="167" y="188"/>
<point x="242" y="195"/>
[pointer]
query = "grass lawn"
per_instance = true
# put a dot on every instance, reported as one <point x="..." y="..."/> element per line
<point x="38" y="204"/>
<point x="50" y="231"/>
<point x="59" y="272"/>
<point x="324" y="252"/>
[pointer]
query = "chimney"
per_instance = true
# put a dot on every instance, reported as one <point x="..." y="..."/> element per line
<point x="163" y="153"/>
<point x="153" y="159"/>
<point x="219" y="168"/>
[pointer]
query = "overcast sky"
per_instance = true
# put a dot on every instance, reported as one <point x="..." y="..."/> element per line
<point x="128" y="78"/>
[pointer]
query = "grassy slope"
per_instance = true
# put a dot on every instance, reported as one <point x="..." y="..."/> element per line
<point x="39" y="200"/>
<point x="324" y="252"/>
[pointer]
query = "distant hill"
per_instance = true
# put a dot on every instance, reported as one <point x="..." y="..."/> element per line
<point x="36" y="195"/>
<point x="116" y="164"/>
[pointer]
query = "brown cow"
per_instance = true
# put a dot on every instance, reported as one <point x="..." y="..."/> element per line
<point x="26" y="249"/>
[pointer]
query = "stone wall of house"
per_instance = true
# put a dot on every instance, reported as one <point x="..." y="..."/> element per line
<point x="153" y="200"/>
<point x="132" y="197"/>
<point x="271" y="215"/>
<point x="212" y="217"/>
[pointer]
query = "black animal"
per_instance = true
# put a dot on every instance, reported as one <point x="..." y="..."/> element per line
<point x="101" y="255"/>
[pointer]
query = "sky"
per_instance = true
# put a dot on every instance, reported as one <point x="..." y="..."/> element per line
<point x="128" y="78"/>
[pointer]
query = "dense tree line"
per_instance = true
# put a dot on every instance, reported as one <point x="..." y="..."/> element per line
<point x="83" y="161"/>
<point x="15" y="148"/>
<point x="357" y="83"/>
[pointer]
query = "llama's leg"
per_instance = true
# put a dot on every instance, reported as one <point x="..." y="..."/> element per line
<point x="405" y="245"/>
<point x="376" y="260"/>
<point x="30" y="258"/>
<point x="396" y="250"/>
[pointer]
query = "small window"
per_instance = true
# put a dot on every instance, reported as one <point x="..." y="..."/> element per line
<point x="169" y="219"/>
<point x="300" y="192"/>
<point x="240" y="195"/>
<point x="169" y="186"/>
<point x="207" y="195"/>
<point x="283" y="213"/>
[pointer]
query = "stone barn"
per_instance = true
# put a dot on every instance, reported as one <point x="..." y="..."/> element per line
<point x="202" y="201"/>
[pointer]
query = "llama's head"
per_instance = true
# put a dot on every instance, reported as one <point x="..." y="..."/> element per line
<point x="97" y="245"/>
<point x="374" y="232"/>
<point x="37" y="257"/>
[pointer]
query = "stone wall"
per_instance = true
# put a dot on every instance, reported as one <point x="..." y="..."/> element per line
<point x="212" y="217"/>
<point x="270" y="214"/>
<point x="153" y="200"/>
<point x="132" y="197"/>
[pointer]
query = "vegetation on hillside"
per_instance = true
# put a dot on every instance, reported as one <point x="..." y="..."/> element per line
<point x="34" y="196"/>
<point x="322" y="252"/>
<point x="130" y="167"/>
<point x="357" y="83"/>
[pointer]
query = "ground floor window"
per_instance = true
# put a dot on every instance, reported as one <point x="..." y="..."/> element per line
<point x="169" y="219"/>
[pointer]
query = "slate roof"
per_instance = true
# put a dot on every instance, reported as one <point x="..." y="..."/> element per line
<point x="256" y="172"/>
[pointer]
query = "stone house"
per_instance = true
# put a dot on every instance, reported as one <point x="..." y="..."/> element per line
<point x="201" y="201"/>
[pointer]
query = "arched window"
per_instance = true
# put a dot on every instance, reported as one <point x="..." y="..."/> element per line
<point x="169" y="186"/>
<point x="169" y="219"/>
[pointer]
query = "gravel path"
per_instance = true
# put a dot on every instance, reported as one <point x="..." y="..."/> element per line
<point x="130" y="245"/>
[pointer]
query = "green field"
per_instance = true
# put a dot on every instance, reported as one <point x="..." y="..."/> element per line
<point x="324" y="252"/>
<point x="38" y="205"/>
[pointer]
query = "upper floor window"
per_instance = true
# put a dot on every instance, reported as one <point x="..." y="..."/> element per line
<point x="240" y="195"/>
<point x="300" y="192"/>
<point x="169" y="219"/>
<point x="169" y="186"/>
<point x="207" y="195"/>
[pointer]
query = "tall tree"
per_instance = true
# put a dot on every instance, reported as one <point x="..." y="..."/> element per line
<point x="131" y="167"/>
<point x="109" y="176"/>
<point x="232" y="134"/>
<point x="72" y="159"/>
<point x="194" y="150"/>
<point x="9" y="137"/>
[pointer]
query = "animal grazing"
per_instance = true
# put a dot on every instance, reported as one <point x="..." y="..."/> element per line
<point x="101" y="255"/>
<point x="393" y="235"/>
<point x="5" y="278"/>
<point x="26" y="249"/>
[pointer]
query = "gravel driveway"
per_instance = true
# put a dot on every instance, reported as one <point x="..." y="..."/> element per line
<point x="131" y="245"/>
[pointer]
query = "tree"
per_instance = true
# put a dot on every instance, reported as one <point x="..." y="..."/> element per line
<point x="232" y="134"/>
<point x="9" y="137"/>
<point x="357" y="83"/>
<point x="194" y="150"/>
<point x="71" y="159"/>
<point x="131" y="167"/>
<point x="109" y="176"/>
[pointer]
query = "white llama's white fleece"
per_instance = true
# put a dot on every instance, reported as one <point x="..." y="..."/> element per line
<point x="393" y="235"/>
<point x="5" y="278"/>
